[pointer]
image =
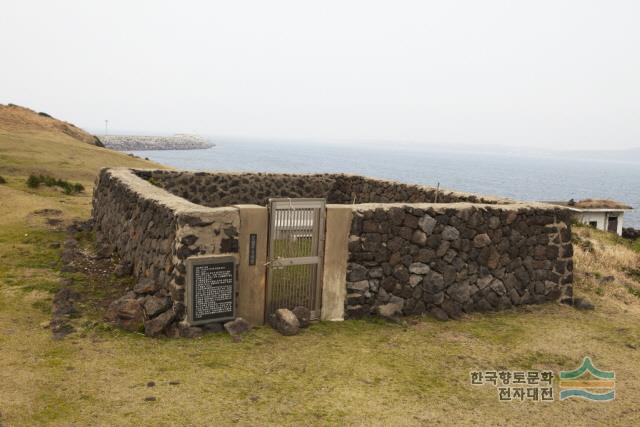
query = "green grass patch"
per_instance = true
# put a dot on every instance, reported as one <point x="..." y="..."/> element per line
<point x="497" y="328"/>
<point x="50" y="286"/>
<point x="42" y="305"/>
<point x="633" y="291"/>
<point x="52" y="408"/>
<point x="28" y="261"/>
<point x="34" y="181"/>
<point x="634" y="273"/>
<point x="532" y="359"/>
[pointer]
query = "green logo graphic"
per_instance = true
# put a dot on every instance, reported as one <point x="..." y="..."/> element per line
<point x="588" y="382"/>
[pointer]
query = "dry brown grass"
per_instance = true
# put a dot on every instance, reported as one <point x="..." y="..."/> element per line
<point x="600" y="204"/>
<point x="598" y="251"/>
<point x="16" y="118"/>
<point x="606" y="265"/>
<point x="346" y="373"/>
<point x="354" y="372"/>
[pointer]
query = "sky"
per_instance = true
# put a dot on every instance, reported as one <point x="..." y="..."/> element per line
<point x="542" y="74"/>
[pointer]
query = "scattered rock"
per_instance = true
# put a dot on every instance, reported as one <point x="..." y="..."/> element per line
<point x="68" y="269"/>
<point x="304" y="316"/>
<point x="67" y="255"/>
<point x="150" y="399"/>
<point x="78" y="226"/>
<point x="439" y="314"/>
<point x="151" y="384"/>
<point x="212" y="327"/>
<point x="67" y="281"/>
<point x="145" y="286"/>
<point x="48" y="212"/>
<point x="103" y="251"/>
<point x="285" y="322"/>
<point x="631" y="233"/>
<point x="582" y="304"/>
<point x="63" y="302"/>
<point x="237" y="327"/>
<point x="174" y="382"/>
<point x="70" y="243"/>
<point x="123" y="269"/>
<point x="579" y="303"/>
<point x="60" y="328"/>
<point x="391" y="310"/>
<point x="156" y="305"/>
<point x="154" y="327"/>
<point x="127" y="313"/>
<point x="607" y="279"/>
<point x="191" y="332"/>
<point x="53" y="221"/>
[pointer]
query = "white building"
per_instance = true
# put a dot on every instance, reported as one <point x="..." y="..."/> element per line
<point x="605" y="215"/>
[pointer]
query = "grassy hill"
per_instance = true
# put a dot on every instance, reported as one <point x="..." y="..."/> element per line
<point x="34" y="144"/>
<point x="20" y="119"/>
<point x="352" y="372"/>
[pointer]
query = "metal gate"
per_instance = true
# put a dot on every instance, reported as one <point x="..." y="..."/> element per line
<point x="296" y="248"/>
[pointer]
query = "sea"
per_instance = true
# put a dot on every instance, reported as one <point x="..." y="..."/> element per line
<point x="527" y="176"/>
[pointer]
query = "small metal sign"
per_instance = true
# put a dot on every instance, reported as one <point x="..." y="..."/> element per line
<point x="253" y="243"/>
<point x="211" y="289"/>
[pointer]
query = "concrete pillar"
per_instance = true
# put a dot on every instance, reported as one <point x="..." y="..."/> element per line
<point x="252" y="278"/>
<point x="336" y="253"/>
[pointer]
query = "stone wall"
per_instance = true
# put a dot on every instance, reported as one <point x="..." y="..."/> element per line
<point x="154" y="232"/>
<point x="466" y="253"/>
<point x="224" y="189"/>
<point x="449" y="259"/>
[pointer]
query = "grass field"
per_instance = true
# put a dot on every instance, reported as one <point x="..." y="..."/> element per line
<point x="352" y="372"/>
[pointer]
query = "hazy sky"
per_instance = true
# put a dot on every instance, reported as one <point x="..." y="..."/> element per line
<point x="539" y="73"/>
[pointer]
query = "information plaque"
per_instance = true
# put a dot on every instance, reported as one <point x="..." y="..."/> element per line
<point x="211" y="289"/>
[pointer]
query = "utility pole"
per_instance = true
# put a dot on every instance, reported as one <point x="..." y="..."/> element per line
<point x="106" y="127"/>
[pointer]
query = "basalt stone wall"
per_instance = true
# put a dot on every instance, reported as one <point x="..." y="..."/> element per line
<point x="224" y="189"/>
<point x="348" y="189"/>
<point x="465" y="253"/>
<point x="140" y="229"/>
<point x="450" y="259"/>
<point x="154" y="232"/>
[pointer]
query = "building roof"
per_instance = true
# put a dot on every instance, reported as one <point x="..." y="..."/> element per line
<point x="592" y="204"/>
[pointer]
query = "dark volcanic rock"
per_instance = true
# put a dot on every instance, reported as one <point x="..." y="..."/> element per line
<point x="285" y="322"/>
<point x="237" y="327"/>
<point x="156" y="326"/>
<point x="304" y="316"/>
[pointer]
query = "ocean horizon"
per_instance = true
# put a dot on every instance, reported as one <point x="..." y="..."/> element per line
<point x="522" y="175"/>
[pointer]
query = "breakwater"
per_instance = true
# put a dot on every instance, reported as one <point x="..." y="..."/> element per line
<point x="143" y="142"/>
